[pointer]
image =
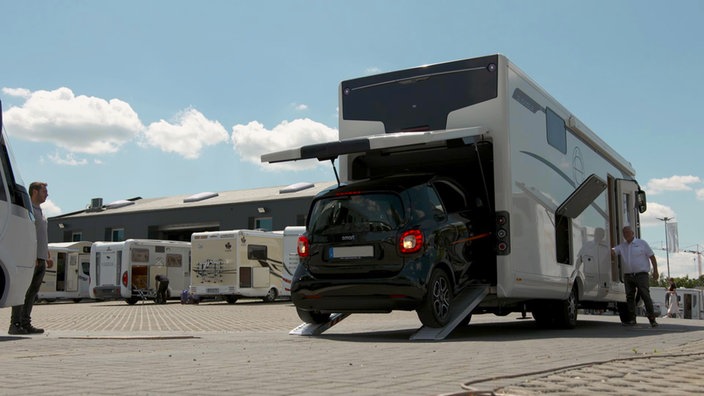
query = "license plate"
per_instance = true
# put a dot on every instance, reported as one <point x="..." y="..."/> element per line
<point x="349" y="252"/>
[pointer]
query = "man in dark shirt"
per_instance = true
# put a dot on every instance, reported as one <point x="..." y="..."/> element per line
<point x="163" y="287"/>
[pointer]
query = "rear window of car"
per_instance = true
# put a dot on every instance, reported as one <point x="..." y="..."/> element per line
<point x="356" y="213"/>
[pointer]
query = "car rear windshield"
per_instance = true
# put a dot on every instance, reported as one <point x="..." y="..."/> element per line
<point x="356" y="213"/>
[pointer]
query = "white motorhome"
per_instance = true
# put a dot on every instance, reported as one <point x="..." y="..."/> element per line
<point x="559" y="194"/>
<point x="690" y="302"/>
<point x="242" y="263"/>
<point x="126" y="270"/>
<point x="67" y="275"/>
<point x="18" y="237"/>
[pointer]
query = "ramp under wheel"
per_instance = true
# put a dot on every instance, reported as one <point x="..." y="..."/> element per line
<point x="462" y="306"/>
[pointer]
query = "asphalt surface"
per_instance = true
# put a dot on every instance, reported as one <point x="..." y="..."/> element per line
<point x="111" y="348"/>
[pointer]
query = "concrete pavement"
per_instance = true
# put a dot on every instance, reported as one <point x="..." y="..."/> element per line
<point x="245" y="349"/>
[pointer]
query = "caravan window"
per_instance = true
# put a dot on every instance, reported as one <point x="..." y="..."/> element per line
<point x="256" y="252"/>
<point x="557" y="135"/>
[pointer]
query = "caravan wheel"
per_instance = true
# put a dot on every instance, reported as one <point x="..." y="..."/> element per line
<point x="271" y="295"/>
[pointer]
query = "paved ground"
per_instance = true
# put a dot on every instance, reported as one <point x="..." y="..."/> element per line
<point x="245" y="349"/>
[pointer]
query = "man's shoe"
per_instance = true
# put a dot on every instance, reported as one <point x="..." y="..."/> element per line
<point x="33" y="330"/>
<point x="653" y="323"/>
<point x="17" y="329"/>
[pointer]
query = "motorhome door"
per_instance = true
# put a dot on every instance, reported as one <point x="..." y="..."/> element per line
<point x="623" y="211"/>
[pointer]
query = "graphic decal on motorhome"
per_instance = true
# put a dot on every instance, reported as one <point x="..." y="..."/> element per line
<point x="211" y="271"/>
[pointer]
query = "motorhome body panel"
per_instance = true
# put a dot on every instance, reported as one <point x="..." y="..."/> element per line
<point x="18" y="238"/>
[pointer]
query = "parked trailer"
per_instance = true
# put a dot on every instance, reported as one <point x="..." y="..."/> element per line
<point x="67" y="275"/>
<point x="126" y="270"/>
<point x="18" y="237"/>
<point x="241" y="263"/>
<point x="558" y="194"/>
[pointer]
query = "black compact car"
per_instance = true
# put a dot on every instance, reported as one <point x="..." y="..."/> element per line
<point x="403" y="242"/>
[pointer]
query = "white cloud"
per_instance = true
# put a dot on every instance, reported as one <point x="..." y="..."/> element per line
<point x="300" y="106"/>
<point x="252" y="140"/>
<point x="655" y="211"/>
<point x="81" y="124"/>
<point x="673" y="183"/>
<point x="50" y="209"/>
<point x="69" y="159"/>
<point x="187" y="135"/>
<point x="700" y="194"/>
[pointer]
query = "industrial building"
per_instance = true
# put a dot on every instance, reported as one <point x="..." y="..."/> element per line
<point x="177" y="217"/>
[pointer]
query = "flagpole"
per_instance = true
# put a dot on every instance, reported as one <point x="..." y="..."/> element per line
<point x="667" y="247"/>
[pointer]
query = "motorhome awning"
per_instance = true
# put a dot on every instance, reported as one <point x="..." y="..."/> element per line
<point x="331" y="150"/>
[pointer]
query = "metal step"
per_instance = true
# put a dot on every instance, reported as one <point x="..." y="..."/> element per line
<point x="462" y="306"/>
<point x="314" y="329"/>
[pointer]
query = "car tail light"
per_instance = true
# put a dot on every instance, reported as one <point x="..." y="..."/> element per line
<point x="125" y="278"/>
<point x="503" y="243"/>
<point x="411" y="241"/>
<point x="303" y="246"/>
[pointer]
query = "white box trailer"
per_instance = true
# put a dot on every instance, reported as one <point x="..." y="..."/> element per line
<point x="242" y="263"/>
<point x="560" y="195"/>
<point x="67" y="275"/>
<point x="126" y="270"/>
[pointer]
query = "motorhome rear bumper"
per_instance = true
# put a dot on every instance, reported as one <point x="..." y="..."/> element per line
<point x="106" y="292"/>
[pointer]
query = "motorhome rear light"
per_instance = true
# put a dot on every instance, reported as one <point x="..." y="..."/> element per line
<point x="303" y="246"/>
<point x="502" y="246"/>
<point x="411" y="241"/>
<point x="501" y="233"/>
<point x="491" y="67"/>
<point x="125" y="278"/>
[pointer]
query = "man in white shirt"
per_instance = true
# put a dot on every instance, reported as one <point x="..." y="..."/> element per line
<point x="636" y="257"/>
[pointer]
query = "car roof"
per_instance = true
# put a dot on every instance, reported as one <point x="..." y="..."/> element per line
<point x="395" y="183"/>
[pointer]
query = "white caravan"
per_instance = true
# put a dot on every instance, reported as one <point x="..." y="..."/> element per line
<point x="242" y="263"/>
<point x="18" y="237"/>
<point x="690" y="302"/>
<point x="559" y="194"/>
<point x="126" y="270"/>
<point x="67" y="275"/>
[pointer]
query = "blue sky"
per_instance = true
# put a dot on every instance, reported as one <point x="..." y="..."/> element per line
<point x="118" y="99"/>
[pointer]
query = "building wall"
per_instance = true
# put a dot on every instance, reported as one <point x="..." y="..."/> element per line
<point x="177" y="224"/>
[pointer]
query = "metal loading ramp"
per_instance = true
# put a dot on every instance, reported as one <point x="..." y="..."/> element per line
<point x="462" y="306"/>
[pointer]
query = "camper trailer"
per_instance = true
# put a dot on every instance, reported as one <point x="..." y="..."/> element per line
<point x="67" y="275"/>
<point x="126" y="270"/>
<point x="544" y="198"/>
<point x="18" y="237"/>
<point x="242" y="263"/>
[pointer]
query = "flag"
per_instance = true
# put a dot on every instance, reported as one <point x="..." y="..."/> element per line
<point x="673" y="244"/>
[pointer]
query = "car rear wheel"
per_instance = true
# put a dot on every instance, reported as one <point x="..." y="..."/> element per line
<point x="312" y="317"/>
<point x="435" y="309"/>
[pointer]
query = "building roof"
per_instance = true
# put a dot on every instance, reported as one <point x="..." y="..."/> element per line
<point x="139" y="204"/>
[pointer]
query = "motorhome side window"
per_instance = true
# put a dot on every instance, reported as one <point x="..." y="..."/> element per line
<point x="557" y="135"/>
<point x="256" y="252"/>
